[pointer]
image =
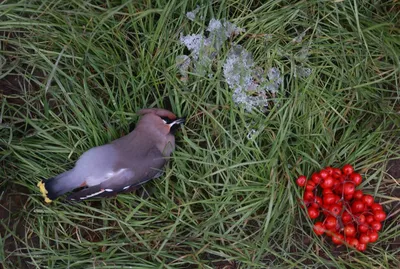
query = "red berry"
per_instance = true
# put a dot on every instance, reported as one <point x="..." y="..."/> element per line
<point x="347" y="217"/>
<point x="348" y="188"/>
<point x="350" y="230"/>
<point x="331" y="231"/>
<point x="327" y="183"/>
<point x="358" y="194"/>
<point x="361" y="247"/>
<point x="325" y="210"/>
<point x="316" y="177"/>
<point x="373" y="236"/>
<point x="361" y="219"/>
<point x="323" y="173"/>
<point x="356" y="178"/>
<point x="337" y="239"/>
<point x="357" y="206"/>
<point x="347" y="169"/>
<point x="342" y="178"/>
<point x="336" y="173"/>
<point x="330" y="222"/>
<point x="353" y="242"/>
<point x="348" y="197"/>
<point x="335" y="209"/>
<point x="368" y="199"/>
<point x="363" y="228"/>
<point x="376" y="225"/>
<point x="369" y="219"/>
<point x="318" y="200"/>
<point x="338" y="187"/>
<point x="364" y="238"/>
<point x="329" y="170"/>
<point x="308" y="196"/>
<point x="348" y="212"/>
<point x="379" y="215"/>
<point x="301" y="181"/>
<point x="313" y="212"/>
<point x="319" y="228"/>
<point x="329" y="199"/>
<point x="310" y="186"/>
<point x="326" y="191"/>
<point x="376" y="206"/>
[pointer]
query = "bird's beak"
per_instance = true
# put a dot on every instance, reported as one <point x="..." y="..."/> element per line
<point x="178" y="121"/>
<point x="173" y="126"/>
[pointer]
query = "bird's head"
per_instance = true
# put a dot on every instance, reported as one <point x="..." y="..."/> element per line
<point x="163" y="120"/>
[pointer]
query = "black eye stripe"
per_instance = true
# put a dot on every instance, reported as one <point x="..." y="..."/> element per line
<point x="167" y="120"/>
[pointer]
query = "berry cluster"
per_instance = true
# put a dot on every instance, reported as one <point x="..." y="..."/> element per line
<point x="350" y="217"/>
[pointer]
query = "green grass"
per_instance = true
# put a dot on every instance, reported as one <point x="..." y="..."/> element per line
<point x="88" y="66"/>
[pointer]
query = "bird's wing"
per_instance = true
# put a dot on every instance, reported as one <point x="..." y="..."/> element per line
<point x="129" y="176"/>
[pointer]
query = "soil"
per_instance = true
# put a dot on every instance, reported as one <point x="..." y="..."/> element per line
<point x="12" y="204"/>
<point x="394" y="171"/>
<point x="13" y="197"/>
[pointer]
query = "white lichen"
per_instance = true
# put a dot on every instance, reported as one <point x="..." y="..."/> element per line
<point x="238" y="68"/>
<point x="232" y="30"/>
<point x="194" y="43"/>
<point x="224" y="28"/>
<point x="250" y="85"/>
<point x="251" y="134"/>
<point x="302" y="72"/>
<point x="275" y="80"/>
<point x="302" y="55"/>
<point x="191" y="15"/>
<point x="204" y="50"/>
<point x="300" y="37"/>
<point x="220" y="31"/>
<point x="183" y="63"/>
<point x="214" y="25"/>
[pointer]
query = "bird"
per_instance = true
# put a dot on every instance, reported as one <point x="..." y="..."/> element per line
<point x="123" y="164"/>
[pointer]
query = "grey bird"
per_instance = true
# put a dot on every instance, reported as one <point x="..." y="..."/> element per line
<point x="125" y="163"/>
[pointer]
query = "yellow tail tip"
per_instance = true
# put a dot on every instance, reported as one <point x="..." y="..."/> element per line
<point x="44" y="192"/>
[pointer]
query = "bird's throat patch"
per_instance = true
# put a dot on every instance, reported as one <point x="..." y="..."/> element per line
<point x="44" y="192"/>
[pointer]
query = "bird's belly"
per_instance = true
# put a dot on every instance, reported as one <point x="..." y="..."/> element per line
<point x="97" y="165"/>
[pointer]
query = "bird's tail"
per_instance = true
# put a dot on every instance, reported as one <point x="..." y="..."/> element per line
<point x="55" y="187"/>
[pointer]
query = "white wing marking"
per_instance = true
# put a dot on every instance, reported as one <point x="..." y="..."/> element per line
<point x="91" y="195"/>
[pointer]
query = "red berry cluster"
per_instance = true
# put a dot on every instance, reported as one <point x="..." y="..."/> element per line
<point x="350" y="216"/>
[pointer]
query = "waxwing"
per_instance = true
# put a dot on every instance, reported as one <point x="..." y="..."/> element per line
<point x="123" y="164"/>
